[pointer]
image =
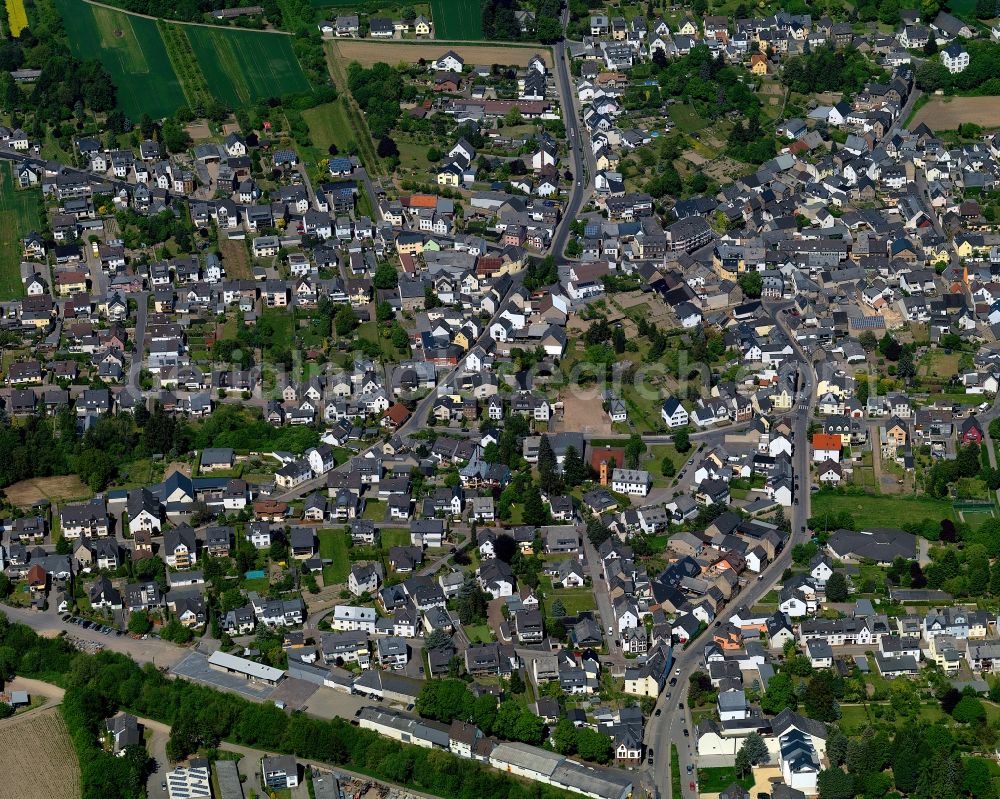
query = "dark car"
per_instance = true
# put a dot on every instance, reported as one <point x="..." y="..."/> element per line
<point x="658" y="711"/>
<point x="686" y="733"/>
<point x="673" y="681"/>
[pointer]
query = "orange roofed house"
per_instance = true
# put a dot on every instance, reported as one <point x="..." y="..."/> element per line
<point x="826" y="446"/>
<point x="728" y="637"/>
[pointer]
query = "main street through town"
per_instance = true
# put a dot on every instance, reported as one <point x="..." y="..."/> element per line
<point x="671" y="722"/>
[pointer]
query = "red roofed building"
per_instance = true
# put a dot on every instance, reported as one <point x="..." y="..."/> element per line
<point x="395" y="415"/>
<point x="488" y="265"/>
<point x="826" y="446"/>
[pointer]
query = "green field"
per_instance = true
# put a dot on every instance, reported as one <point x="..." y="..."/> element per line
<point x="876" y="510"/>
<point x="686" y="118"/>
<point x="328" y="125"/>
<point x="131" y="49"/>
<point x="245" y="66"/>
<point x="18" y="217"/>
<point x="333" y="547"/>
<point x="459" y="20"/>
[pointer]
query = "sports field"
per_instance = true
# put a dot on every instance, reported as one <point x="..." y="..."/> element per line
<point x="131" y="50"/>
<point x="457" y="20"/>
<point x="17" y="17"/>
<point x="245" y="66"/>
<point x="18" y="217"/>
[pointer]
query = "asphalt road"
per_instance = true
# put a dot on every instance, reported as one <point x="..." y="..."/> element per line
<point x="669" y="727"/>
<point x="581" y="178"/>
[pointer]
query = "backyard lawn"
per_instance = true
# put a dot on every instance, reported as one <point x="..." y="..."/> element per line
<point x="395" y="537"/>
<point x="478" y="632"/>
<point x="716" y="780"/>
<point x="575" y="600"/>
<point x="333" y="547"/>
<point x="882" y="511"/>
<point x="856" y="717"/>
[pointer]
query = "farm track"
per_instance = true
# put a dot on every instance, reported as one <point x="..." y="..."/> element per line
<point x="369" y="157"/>
<point x="178" y="22"/>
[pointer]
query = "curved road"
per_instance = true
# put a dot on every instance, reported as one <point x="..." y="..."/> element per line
<point x="669" y="727"/>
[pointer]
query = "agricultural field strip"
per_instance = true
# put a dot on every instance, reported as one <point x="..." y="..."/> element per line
<point x="453" y="19"/>
<point x="367" y="53"/>
<point x="185" y="63"/>
<point x="159" y="66"/>
<point x="37" y="757"/>
<point x="17" y="17"/>
<point x="246" y="66"/>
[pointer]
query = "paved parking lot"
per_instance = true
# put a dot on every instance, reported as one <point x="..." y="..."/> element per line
<point x="195" y="667"/>
<point x="326" y="703"/>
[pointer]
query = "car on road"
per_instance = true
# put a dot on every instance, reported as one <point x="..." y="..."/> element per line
<point x="686" y="733"/>
<point x="658" y="711"/>
<point x="690" y="768"/>
<point x="673" y="681"/>
<point x="681" y="705"/>
<point x="163" y="785"/>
